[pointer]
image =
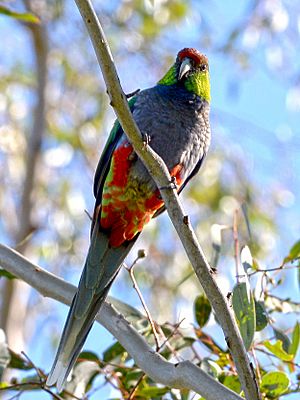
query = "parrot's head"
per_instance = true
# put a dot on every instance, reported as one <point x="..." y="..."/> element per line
<point x="191" y="71"/>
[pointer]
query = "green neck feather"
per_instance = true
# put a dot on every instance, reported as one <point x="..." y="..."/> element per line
<point x="197" y="83"/>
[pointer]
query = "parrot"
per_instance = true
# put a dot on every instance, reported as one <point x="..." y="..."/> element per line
<point x="174" y="117"/>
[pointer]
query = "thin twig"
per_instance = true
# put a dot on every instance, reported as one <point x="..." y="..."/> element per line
<point x="167" y="343"/>
<point x="274" y="356"/>
<point x="280" y="268"/>
<point x="25" y="386"/>
<point x="136" y="287"/>
<point x="37" y="370"/>
<point x="287" y="300"/>
<point x="134" y="389"/>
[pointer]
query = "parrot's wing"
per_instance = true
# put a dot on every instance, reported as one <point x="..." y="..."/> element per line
<point x="104" y="162"/>
<point x="193" y="173"/>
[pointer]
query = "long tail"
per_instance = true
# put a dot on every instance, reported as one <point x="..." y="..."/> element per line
<point x="101" y="268"/>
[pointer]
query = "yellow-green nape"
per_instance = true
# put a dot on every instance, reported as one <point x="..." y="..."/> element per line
<point x="170" y="78"/>
<point x="199" y="84"/>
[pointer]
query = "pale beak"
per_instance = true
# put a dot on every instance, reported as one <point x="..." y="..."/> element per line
<point x="184" y="67"/>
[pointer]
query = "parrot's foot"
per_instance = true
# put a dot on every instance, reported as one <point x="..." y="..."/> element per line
<point x="146" y="139"/>
<point x="172" y="185"/>
<point x="131" y="94"/>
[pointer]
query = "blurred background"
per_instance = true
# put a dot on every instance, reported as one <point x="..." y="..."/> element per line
<point x="54" y="121"/>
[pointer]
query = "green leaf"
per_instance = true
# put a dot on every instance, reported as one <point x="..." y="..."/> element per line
<point x="274" y="384"/>
<point x="82" y="376"/>
<point x="4" y="353"/>
<point x="17" y="361"/>
<point x="202" y="310"/>
<point x="129" y="378"/>
<point x="231" y="381"/>
<point x="134" y="316"/>
<point x="115" y="351"/>
<point x="295" y="340"/>
<point x="293" y="254"/>
<point x="210" y="367"/>
<point x="284" y="338"/>
<point x="89" y="356"/>
<point x="244" y="309"/>
<point x="6" y="274"/>
<point x="185" y="394"/>
<point x="278" y="351"/>
<point x="261" y="316"/>
<point x="26" y="17"/>
<point x="151" y="391"/>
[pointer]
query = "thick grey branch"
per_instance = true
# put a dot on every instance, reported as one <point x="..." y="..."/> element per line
<point x="181" y="375"/>
<point x="160" y="174"/>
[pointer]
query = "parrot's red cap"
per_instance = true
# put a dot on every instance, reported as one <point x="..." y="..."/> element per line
<point x="193" y="54"/>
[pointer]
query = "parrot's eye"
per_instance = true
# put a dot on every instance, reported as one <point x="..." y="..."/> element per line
<point x="203" y="67"/>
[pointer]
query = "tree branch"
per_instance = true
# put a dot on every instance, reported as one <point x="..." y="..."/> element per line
<point x="160" y="174"/>
<point x="181" y="375"/>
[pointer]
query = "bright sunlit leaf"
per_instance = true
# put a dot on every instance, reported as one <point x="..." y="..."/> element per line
<point x="26" y="17"/>
<point x="293" y="254"/>
<point x="278" y="351"/>
<point x="274" y="384"/>
<point x="232" y="382"/>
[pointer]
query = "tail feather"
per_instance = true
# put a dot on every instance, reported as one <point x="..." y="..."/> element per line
<point x="101" y="268"/>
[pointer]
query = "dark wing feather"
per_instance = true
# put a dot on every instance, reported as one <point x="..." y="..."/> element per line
<point x="193" y="173"/>
<point x="104" y="162"/>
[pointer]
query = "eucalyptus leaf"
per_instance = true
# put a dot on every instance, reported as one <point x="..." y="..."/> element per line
<point x="210" y="367"/>
<point x="6" y="274"/>
<point x="25" y="17"/>
<point x="4" y="353"/>
<point x="261" y="316"/>
<point x="202" y="310"/>
<point x="82" y="376"/>
<point x="244" y="309"/>
<point x="151" y="391"/>
<point x="115" y="351"/>
<point x="274" y="384"/>
<point x="286" y="343"/>
<point x="278" y="350"/>
<point x="295" y="340"/>
<point x="231" y="381"/>
<point x="293" y="254"/>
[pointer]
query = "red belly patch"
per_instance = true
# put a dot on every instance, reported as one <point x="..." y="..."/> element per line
<point x="127" y="206"/>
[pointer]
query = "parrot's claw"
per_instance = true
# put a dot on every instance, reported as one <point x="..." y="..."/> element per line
<point x="146" y="139"/>
<point x="131" y="94"/>
<point x="172" y="185"/>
